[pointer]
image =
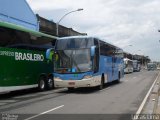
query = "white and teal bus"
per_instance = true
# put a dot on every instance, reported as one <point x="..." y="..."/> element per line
<point x="82" y="61"/>
<point x="23" y="60"/>
<point x="128" y="65"/>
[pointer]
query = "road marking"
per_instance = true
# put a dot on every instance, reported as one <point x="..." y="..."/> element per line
<point x="146" y="97"/>
<point x="44" y="112"/>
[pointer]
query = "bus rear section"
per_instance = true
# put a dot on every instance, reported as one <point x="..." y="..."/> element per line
<point x="136" y="66"/>
<point x="128" y="65"/>
<point x="79" y="62"/>
<point x="23" y="59"/>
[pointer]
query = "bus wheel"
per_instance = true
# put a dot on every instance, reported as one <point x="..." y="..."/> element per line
<point x="42" y="84"/>
<point x="101" y="86"/>
<point x="50" y="83"/>
<point x="70" y="89"/>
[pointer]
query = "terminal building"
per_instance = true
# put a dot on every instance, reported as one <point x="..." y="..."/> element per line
<point x="49" y="27"/>
<point x="143" y="59"/>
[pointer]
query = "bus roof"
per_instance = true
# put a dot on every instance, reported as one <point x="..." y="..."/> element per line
<point x="151" y="63"/>
<point x="70" y="37"/>
<point x="23" y="29"/>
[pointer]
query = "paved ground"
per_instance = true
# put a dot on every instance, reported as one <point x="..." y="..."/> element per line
<point x="152" y="104"/>
<point x="115" y="101"/>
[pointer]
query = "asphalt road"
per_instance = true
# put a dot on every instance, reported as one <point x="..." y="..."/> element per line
<point x="115" y="101"/>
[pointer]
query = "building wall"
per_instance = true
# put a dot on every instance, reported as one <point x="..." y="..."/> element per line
<point x="49" y="27"/>
<point x="18" y="12"/>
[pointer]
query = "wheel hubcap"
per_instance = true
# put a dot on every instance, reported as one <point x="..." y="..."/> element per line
<point x="42" y="84"/>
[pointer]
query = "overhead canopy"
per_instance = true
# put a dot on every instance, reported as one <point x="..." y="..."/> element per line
<point x="23" y="29"/>
<point x="18" y="12"/>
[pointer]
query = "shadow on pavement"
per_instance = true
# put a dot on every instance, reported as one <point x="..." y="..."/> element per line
<point x="17" y="93"/>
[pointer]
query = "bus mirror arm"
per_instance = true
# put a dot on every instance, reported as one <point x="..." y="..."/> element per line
<point x="93" y="48"/>
<point x="93" y="51"/>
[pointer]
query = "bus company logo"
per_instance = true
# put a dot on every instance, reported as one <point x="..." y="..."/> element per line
<point x="23" y="56"/>
<point x="6" y="53"/>
<point x="28" y="56"/>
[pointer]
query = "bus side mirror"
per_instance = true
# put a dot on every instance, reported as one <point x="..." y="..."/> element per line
<point x="93" y="51"/>
<point x="49" y="54"/>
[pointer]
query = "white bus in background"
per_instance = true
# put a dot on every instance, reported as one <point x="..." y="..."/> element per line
<point x="128" y="65"/>
<point x="136" y="66"/>
<point x="151" y="66"/>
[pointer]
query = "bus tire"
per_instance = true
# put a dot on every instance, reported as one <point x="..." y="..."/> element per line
<point x="101" y="86"/>
<point x="50" y="83"/>
<point x="42" y="83"/>
<point x="70" y="89"/>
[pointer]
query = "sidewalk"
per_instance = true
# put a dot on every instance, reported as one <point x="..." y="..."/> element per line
<point x="152" y="106"/>
<point x="158" y="102"/>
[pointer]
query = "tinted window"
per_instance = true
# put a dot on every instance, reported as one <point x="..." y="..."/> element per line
<point x="74" y="43"/>
<point x="106" y="49"/>
<point x="11" y="37"/>
<point x="119" y="53"/>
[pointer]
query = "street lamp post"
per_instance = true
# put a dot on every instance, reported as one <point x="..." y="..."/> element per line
<point x="57" y="24"/>
<point x="142" y="55"/>
<point x="159" y="31"/>
<point x="131" y="53"/>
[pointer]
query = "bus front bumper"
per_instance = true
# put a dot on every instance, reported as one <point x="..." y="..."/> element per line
<point x="90" y="82"/>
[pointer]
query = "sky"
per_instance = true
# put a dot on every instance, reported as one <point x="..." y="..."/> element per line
<point x="130" y="24"/>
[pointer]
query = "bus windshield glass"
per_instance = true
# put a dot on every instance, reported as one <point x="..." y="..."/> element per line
<point x="71" y="61"/>
<point x="74" y="43"/>
<point x="125" y="64"/>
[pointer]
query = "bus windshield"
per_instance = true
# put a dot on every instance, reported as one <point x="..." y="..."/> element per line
<point x="71" y="61"/>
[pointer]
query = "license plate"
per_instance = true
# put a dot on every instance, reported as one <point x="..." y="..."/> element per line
<point x="71" y="83"/>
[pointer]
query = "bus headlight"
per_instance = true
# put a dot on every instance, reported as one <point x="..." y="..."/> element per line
<point x="87" y="77"/>
<point x="57" y="78"/>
